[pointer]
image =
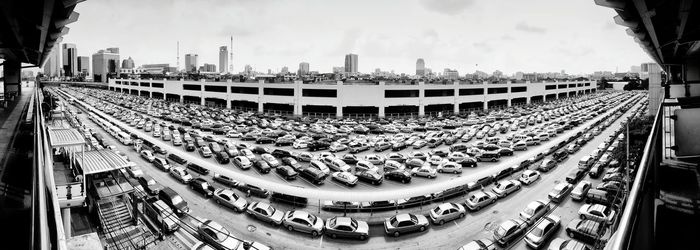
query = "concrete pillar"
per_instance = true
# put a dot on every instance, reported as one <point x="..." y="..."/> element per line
<point x="182" y="99"/>
<point x="260" y="106"/>
<point x="65" y="214"/>
<point x="456" y="108"/>
<point x="338" y="111"/>
<point x="528" y="100"/>
<point x="12" y="76"/>
<point x="297" y="98"/>
<point x="510" y="102"/>
<point x="656" y="92"/>
<point x="381" y="112"/>
<point x="486" y="105"/>
<point x="201" y="101"/>
<point x="421" y="97"/>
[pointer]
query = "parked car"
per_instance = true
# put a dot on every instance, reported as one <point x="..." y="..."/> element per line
<point x="252" y="190"/>
<point x="346" y="227"/>
<point x="180" y="174"/>
<point x="560" y="192"/>
<point x="597" y="212"/>
<point x="228" y="198"/>
<point x="425" y="171"/>
<point x="242" y="162"/>
<point x="287" y="172"/>
<point x="303" y="221"/>
<point x="446" y="212"/>
<point x="529" y="176"/>
<point x="567" y="244"/>
<point x="369" y="177"/>
<point x="313" y="175"/>
<point x="534" y="211"/>
<point x="450" y="167"/>
<point x="546" y="229"/>
<point x="580" y="191"/>
<point x="480" y="199"/>
<point x="198" y="169"/>
<point x="201" y="186"/>
<point x="265" y="212"/>
<point x="506" y="187"/>
<point x="217" y="236"/>
<point x="149" y="184"/>
<point x="586" y="231"/>
<point x="405" y="223"/>
<point x="508" y="231"/>
<point x="398" y="175"/>
<point x="174" y="201"/>
<point x="481" y="244"/>
<point x="345" y="178"/>
<point x="161" y="163"/>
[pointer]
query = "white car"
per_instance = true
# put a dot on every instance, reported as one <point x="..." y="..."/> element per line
<point x="180" y="174"/>
<point x="228" y="198"/>
<point x="480" y="199"/>
<point x="505" y="187"/>
<point x="148" y="155"/>
<point x="529" y="176"/>
<point x="597" y="212"/>
<point x="233" y="134"/>
<point x="375" y="159"/>
<point x="345" y="177"/>
<point x="424" y="171"/>
<point x="302" y="221"/>
<point x="365" y="166"/>
<point x="450" y="167"/>
<point x="435" y="160"/>
<point x="534" y="211"/>
<point x="300" y="144"/>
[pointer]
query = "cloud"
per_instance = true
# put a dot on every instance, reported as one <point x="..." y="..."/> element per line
<point x="349" y="41"/>
<point x="484" y="46"/>
<point x="236" y="31"/>
<point x="507" y="38"/>
<point x="448" y="7"/>
<point x="522" y="26"/>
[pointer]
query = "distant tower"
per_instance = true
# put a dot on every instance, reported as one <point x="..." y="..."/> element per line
<point x="178" y="55"/>
<point x="231" y="59"/>
<point x="420" y="67"/>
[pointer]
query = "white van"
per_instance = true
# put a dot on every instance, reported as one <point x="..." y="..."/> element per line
<point x="124" y="138"/>
<point x="585" y="162"/>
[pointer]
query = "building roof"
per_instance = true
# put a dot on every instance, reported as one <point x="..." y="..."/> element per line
<point x="98" y="161"/>
<point x="65" y="137"/>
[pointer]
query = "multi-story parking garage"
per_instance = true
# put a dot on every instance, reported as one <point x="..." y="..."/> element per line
<point x="383" y="99"/>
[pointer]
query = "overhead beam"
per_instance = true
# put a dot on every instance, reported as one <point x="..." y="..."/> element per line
<point x="683" y="12"/>
<point x="645" y="14"/>
<point x="45" y="22"/>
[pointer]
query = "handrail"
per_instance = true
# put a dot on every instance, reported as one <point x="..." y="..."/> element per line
<point x="628" y="217"/>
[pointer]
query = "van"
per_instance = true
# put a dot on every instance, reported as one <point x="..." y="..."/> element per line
<point x="520" y="145"/>
<point x="598" y="196"/>
<point x="488" y="156"/>
<point x="161" y="215"/>
<point x="289" y="199"/>
<point x="585" y="162"/>
<point x="124" y="138"/>
<point x="174" y="201"/>
<point x="198" y="169"/>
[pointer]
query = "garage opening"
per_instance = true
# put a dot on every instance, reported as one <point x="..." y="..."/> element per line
<point x="318" y="110"/>
<point x="278" y="108"/>
<point x="157" y="95"/>
<point x="550" y="97"/>
<point x="518" y="101"/>
<point x="536" y="99"/>
<point x="572" y="93"/>
<point x="361" y="112"/>
<point x="403" y="111"/>
<point x="134" y="92"/>
<point x="439" y="109"/>
<point x="144" y="93"/>
<point x="497" y="104"/>
<point x="244" y="106"/>
<point x="214" y="102"/>
<point x="172" y="97"/>
<point x="467" y="107"/>
<point x="562" y="95"/>
<point x="192" y="99"/>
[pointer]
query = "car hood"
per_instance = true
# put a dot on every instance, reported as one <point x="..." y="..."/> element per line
<point x="277" y="216"/>
<point x="362" y="227"/>
<point x="240" y="203"/>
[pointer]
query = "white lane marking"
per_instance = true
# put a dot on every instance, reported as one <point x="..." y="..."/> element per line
<point x="457" y="224"/>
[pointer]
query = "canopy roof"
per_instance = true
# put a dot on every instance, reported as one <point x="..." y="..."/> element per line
<point x="98" y="161"/>
<point x="62" y="137"/>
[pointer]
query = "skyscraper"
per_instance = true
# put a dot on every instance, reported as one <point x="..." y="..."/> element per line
<point x="191" y="62"/>
<point x="84" y="65"/>
<point x="420" y="67"/>
<point x="128" y="63"/>
<point x="351" y="63"/>
<point x="303" y="68"/>
<point x="104" y="63"/>
<point x="223" y="59"/>
<point x="207" y="67"/>
<point x="285" y="70"/>
<point x="52" y="66"/>
<point x="70" y="59"/>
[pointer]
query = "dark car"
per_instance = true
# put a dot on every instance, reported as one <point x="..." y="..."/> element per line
<point x="586" y="231"/>
<point x="575" y="175"/>
<point x="284" y="142"/>
<point x="174" y="201"/>
<point x="486" y="180"/>
<point x="287" y="172"/>
<point x="264" y="140"/>
<point x="398" y="146"/>
<point x="190" y="146"/>
<point x="202" y="186"/>
<point x="370" y="177"/>
<point x="280" y="153"/>
<point x="600" y="197"/>
<point x="398" y="175"/>
<point x="319" y="145"/>
<point x="222" y="157"/>
<point x="503" y="174"/>
<point x="596" y="170"/>
<point x="262" y="166"/>
<point x="313" y="175"/>
<point x="198" y="169"/>
<point x="252" y="190"/>
<point x="177" y="159"/>
<point x="350" y="158"/>
<point x="149" y="184"/>
<point x="260" y="150"/>
<point x="289" y="199"/>
<point x="505" y="152"/>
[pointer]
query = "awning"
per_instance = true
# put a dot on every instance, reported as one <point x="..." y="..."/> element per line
<point x="62" y="137"/>
<point x="98" y="161"/>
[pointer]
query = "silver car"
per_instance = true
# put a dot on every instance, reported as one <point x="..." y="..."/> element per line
<point x="264" y="212"/>
<point x="539" y="235"/>
<point x="230" y="199"/>
<point x="480" y="199"/>
<point x="447" y="212"/>
<point x="405" y="223"/>
<point x="506" y="187"/>
<point x="180" y="174"/>
<point x="534" y="211"/>
<point x="302" y="221"/>
<point x="347" y="227"/>
<point x="217" y="236"/>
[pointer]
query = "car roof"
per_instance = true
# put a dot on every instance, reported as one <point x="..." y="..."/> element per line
<point x="300" y="214"/>
<point x="346" y="221"/>
<point x="403" y="217"/>
<point x="535" y="204"/>
<point x="445" y="206"/>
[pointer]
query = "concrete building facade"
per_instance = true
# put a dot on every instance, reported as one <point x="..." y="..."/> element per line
<point x="191" y="62"/>
<point x="70" y="59"/>
<point x="105" y="62"/>
<point x="351" y="63"/>
<point x="223" y="59"/>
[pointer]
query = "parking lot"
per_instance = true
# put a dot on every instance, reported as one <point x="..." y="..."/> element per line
<point x="477" y="225"/>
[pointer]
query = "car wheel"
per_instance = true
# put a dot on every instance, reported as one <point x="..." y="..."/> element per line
<point x="374" y="183"/>
<point x="403" y="181"/>
<point x="440" y="171"/>
<point x="583" y="217"/>
<point x="218" y="202"/>
<point x="396" y="234"/>
<point x="314" y="234"/>
<point x="461" y="215"/>
<point x="413" y="175"/>
<point x="235" y="209"/>
<point x="290" y="228"/>
<point x="362" y="237"/>
<point x="422" y="228"/>
<point x="571" y="234"/>
<point x="440" y="222"/>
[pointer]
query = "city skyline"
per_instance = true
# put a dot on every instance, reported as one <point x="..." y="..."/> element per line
<point x="443" y="34"/>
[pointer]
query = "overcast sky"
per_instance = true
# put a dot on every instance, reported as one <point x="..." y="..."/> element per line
<point x="510" y="35"/>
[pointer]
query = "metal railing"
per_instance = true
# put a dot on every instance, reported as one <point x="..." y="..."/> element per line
<point x="634" y="231"/>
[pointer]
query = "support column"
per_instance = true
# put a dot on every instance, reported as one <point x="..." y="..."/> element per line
<point x="65" y="214"/>
<point x="182" y="99"/>
<point x="510" y="102"/>
<point x="201" y="101"/>
<point x="486" y="105"/>
<point x="421" y="96"/>
<point x="528" y="100"/>
<point x="339" y="112"/>
<point x="381" y="112"/>
<point x="12" y="76"/>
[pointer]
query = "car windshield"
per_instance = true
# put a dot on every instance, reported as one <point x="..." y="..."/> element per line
<point x="529" y="211"/>
<point x="177" y="200"/>
<point x="500" y="232"/>
<point x="537" y="231"/>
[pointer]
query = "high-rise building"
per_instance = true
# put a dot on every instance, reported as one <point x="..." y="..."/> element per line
<point x="70" y="60"/>
<point x="113" y="50"/>
<point x="128" y="63"/>
<point x="498" y="74"/>
<point x="420" y="67"/>
<point x="351" y="63"/>
<point x="450" y="74"/>
<point x="248" y="70"/>
<point x="104" y="63"/>
<point x="223" y="59"/>
<point x="338" y="70"/>
<point x="208" y="67"/>
<point x="191" y="62"/>
<point x="52" y="66"/>
<point x="303" y="68"/>
<point x="285" y="70"/>
<point x="84" y="65"/>
<point x="519" y="75"/>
